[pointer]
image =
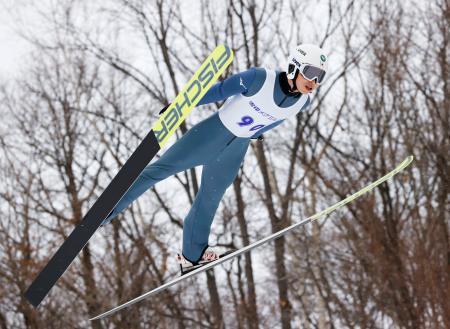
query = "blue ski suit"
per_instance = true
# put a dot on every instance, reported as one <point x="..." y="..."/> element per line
<point x="212" y="145"/>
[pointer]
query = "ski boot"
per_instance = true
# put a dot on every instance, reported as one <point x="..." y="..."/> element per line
<point x="209" y="255"/>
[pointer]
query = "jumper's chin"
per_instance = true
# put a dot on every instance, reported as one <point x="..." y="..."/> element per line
<point x="304" y="89"/>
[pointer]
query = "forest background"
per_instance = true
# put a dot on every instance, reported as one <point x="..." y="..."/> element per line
<point x="90" y="82"/>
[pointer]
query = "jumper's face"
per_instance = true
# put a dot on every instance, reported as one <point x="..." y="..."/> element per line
<point x="305" y="86"/>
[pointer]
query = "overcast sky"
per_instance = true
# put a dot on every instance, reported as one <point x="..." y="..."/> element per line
<point x="18" y="15"/>
<point x="12" y="47"/>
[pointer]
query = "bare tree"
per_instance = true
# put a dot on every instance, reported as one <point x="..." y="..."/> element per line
<point x="70" y="124"/>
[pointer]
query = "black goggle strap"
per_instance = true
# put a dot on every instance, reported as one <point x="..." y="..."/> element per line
<point x="291" y="68"/>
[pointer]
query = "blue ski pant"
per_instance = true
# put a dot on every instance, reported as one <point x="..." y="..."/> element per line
<point x="220" y="153"/>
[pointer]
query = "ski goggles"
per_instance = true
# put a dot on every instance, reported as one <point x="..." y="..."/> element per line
<point x="311" y="73"/>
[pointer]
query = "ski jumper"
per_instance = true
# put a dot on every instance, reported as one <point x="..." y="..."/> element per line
<point x="257" y="100"/>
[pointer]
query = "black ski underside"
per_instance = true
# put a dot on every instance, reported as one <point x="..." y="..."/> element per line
<point x="80" y="236"/>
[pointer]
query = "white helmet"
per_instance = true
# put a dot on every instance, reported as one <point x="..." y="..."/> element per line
<point x="309" y="60"/>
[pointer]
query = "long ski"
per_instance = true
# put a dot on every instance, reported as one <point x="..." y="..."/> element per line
<point x="169" y="121"/>
<point x="258" y="243"/>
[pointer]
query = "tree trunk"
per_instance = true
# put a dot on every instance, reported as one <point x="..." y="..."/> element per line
<point x="216" y="306"/>
<point x="251" y="312"/>
<point x="277" y="224"/>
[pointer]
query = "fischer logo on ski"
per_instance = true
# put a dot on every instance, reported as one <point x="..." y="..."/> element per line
<point x="191" y="94"/>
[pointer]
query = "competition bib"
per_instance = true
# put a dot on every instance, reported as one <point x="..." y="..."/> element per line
<point x="245" y="115"/>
